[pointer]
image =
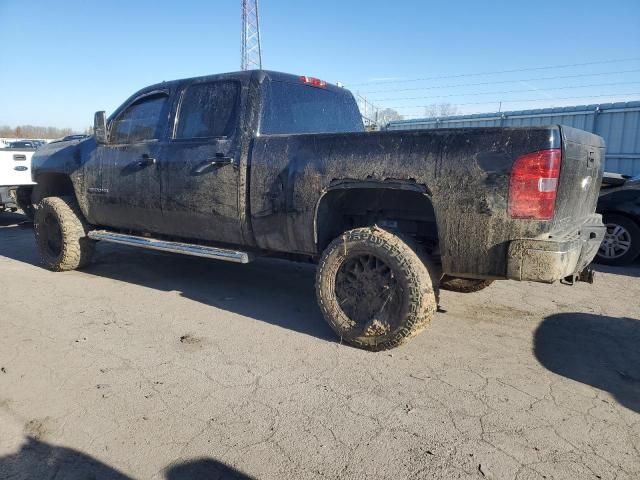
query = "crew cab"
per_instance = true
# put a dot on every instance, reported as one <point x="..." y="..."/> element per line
<point x="254" y="163"/>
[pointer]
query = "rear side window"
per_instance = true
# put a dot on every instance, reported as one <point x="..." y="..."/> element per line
<point x="208" y="110"/>
<point x="140" y="121"/>
<point x="298" y="108"/>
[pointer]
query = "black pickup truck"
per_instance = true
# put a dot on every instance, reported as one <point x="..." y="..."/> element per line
<point x="256" y="163"/>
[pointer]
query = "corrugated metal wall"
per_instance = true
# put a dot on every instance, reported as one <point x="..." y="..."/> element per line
<point x="617" y="123"/>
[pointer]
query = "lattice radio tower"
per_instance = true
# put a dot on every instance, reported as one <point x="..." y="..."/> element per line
<point x="251" y="52"/>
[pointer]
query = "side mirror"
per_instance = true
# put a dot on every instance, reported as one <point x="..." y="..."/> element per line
<point x="100" y="128"/>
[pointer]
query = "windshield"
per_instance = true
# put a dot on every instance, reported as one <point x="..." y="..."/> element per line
<point x="296" y="108"/>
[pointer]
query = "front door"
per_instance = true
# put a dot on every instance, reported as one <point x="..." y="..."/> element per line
<point x="128" y="196"/>
<point x="200" y="169"/>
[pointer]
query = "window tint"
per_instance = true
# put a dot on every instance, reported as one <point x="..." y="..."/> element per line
<point x="298" y="108"/>
<point x="140" y="121"/>
<point x="208" y="110"/>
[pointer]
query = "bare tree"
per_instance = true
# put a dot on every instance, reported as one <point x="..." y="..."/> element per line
<point x="440" y="110"/>
<point x="387" y="115"/>
<point x="33" y="131"/>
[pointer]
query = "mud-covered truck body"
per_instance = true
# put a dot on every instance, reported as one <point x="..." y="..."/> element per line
<point x="245" y="164"/>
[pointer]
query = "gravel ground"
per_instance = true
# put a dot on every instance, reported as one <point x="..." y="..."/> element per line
<point x="149" y="365"/>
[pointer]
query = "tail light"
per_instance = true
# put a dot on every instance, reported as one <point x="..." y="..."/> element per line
<point x="534" y="183"/>
<point x="315" y="82"/>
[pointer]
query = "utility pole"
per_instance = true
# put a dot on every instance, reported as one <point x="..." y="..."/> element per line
<point x="251" y="51"/>
<point x="367" y="111"/>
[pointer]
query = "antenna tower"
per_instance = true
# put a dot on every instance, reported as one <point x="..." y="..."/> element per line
<point x="251" y="51"/>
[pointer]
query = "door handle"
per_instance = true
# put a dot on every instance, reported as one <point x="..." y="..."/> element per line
<point x="146" y="160"/>
<point x="218" y="161"/>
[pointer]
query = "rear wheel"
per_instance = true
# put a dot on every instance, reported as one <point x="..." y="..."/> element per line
<point x="621" y="243"/>
<point x="373" y="288"/>
<point x="61" y="234"/>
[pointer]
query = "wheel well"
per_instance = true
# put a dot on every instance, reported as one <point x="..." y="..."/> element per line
<point x="51" y="185"/>
<point x="408" y="211"/>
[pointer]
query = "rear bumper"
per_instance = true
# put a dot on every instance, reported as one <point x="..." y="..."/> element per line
<point x="555" y="259"/>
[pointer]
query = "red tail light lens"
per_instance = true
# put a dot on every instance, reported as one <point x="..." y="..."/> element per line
<point x="315" y="82"/>
<point x="534" y="183"/>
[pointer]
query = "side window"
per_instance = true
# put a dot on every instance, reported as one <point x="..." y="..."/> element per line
<point x="140" y="121"/>
<point x="208" y="110"/>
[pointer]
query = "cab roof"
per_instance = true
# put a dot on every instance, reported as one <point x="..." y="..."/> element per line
<point x="244" y="75"/>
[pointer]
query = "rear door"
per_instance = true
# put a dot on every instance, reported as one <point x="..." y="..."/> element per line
<point x="15" y="167"/>
<point x="128" y="196"/>
<point x="200" y="170"/>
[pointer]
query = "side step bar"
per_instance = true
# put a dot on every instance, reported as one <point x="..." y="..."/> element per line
<point x="167" y="246"/>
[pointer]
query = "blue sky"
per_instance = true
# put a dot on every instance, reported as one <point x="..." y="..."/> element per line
<point x="60" y="61"/>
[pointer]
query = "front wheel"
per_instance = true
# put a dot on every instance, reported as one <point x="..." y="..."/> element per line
<point x="61" y="234"/>
<point x="373" y="288"/>
<point x="621" y="243"/>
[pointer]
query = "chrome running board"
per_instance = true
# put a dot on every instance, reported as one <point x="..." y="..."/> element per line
<point x="174" y="247"/>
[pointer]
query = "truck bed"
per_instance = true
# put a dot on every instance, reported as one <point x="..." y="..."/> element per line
<point x="464" y="172"/>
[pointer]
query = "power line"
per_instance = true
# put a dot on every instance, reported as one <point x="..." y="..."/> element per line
<point x="495" y="82"/>
<point x="506" y="91"/>
<point x="527" y="100"/>
<point x="547" y="67"/>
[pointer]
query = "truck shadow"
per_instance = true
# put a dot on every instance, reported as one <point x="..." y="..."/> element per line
<point x="278" y="292"/>
<point x="38" y="459"/>
<point x="274" y="291"/>
<point x="596" y="350"/>
<point x="203" y="468"/>
<point x="8" y="219"/>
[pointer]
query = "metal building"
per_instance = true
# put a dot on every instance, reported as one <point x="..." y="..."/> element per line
<point x="617" y="123"/>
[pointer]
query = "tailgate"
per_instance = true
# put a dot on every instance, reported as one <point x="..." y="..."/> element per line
<point x="580" y="175"/>
<point x="15" y="167"/>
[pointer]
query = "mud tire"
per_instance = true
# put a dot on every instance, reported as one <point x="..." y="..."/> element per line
<point x="463" y="285"/>
<point x="61" y="234"/>
<point x="413" y="293"/>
